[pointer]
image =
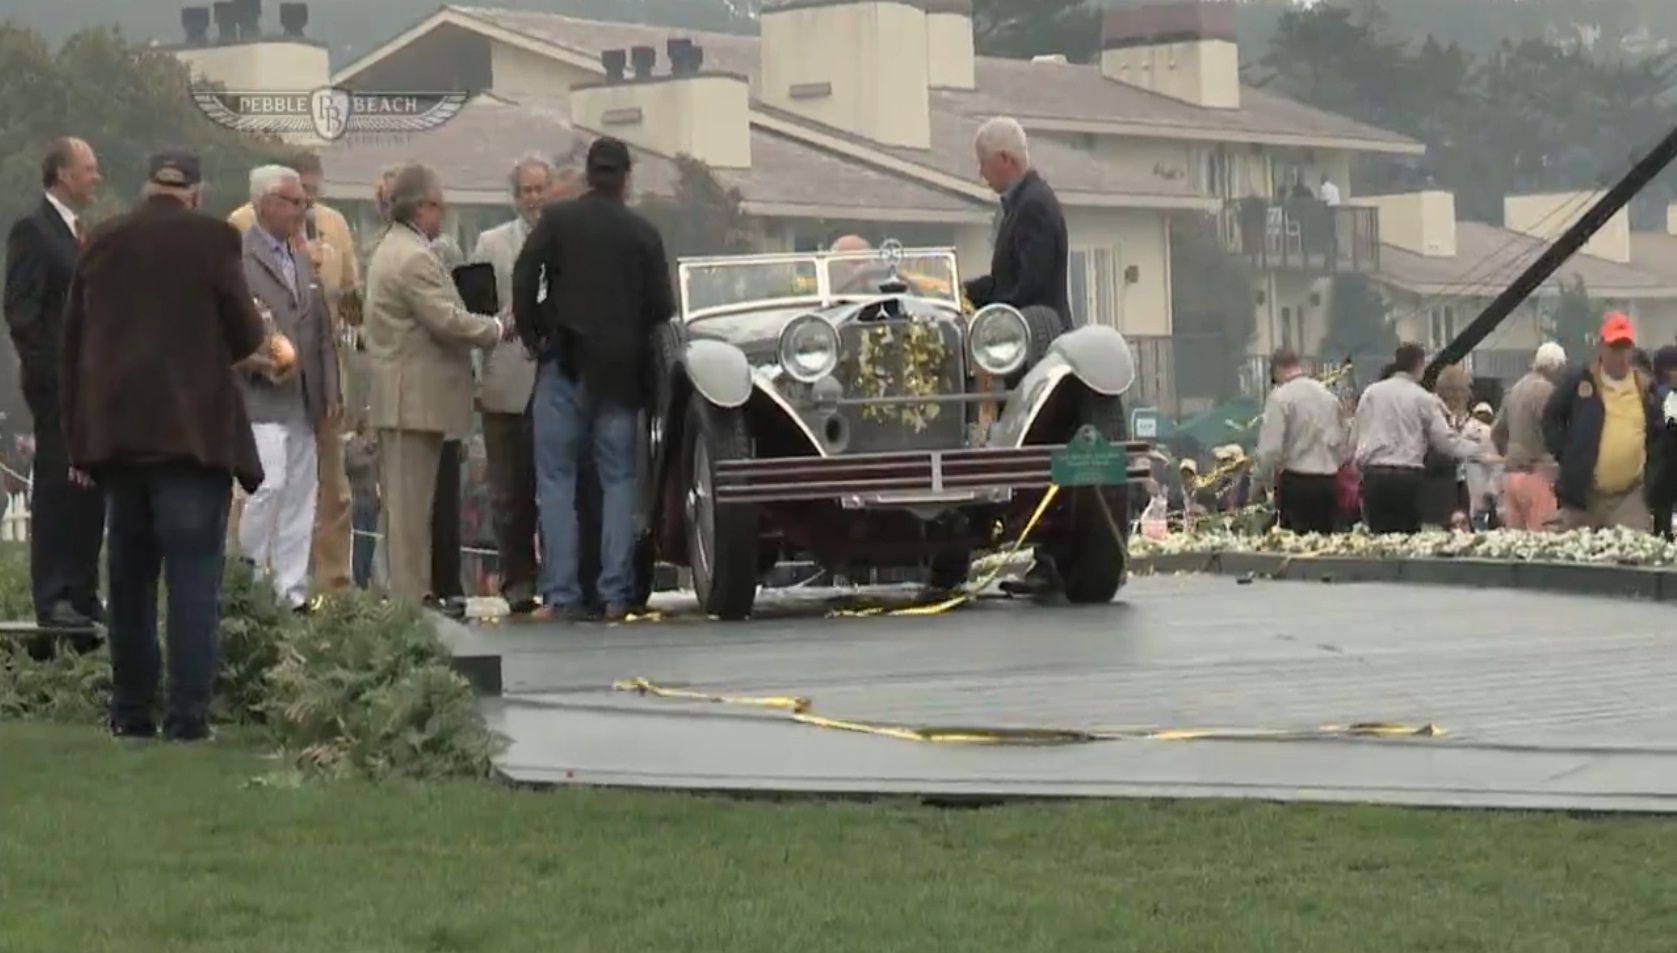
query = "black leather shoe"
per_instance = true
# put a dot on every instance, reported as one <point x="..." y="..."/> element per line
<point x="187" y="730"/>
<point x="63" y="615"/>
<point x="135" y="729"/>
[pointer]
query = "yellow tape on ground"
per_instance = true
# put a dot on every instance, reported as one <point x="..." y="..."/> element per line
<point x="971" y="593"/>
<point x="641" y="686"/>
<point x="799" y="709"/>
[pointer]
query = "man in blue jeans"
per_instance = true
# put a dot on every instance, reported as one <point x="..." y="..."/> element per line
<point x="608" y="287"/>
<point x="156" y="315"/>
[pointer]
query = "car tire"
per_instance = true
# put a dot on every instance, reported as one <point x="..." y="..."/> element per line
<point x="722" y="540"/>
<point x="950" y="570"/>
<point x="1090" y="562"/>
<point x="1045" y="325"/>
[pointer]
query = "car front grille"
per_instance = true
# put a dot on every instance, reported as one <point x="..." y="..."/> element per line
<point x="899" y="359"/>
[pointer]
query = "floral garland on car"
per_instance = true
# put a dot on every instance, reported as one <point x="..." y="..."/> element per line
<point x="900" y="360"/>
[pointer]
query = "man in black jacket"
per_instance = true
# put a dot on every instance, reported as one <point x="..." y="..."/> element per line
<point x="68" y="514"/>
<point x="608" y="288"/>
<point x="1029" y="264"/>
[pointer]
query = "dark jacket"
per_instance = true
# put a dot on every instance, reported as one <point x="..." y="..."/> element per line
<point x="40" y="261"/>
<point x="1572" y="425"/>
<point x="158" y="314"/>
<point x="1032" y="253"/>
<point x="608" y="286"/>
<point x="1662" y="464"/>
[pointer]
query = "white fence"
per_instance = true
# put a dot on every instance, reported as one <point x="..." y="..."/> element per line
<point x="14" y="528"/>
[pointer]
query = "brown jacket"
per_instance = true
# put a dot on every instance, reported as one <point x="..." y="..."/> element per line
<point x="420" y="339"/>
<point x="157" y="316"/>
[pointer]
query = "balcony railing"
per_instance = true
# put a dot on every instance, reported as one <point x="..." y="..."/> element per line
<point x="1303" y="235"/>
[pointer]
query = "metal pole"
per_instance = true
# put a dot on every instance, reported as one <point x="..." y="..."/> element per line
<point x="1564" y="248"/>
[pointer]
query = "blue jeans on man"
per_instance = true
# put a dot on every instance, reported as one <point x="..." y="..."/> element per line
<point x="571" y="422"/>
<point x="170" y="521"/>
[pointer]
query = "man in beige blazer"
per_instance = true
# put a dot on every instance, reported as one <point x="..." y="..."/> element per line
<point x="330" y="248"/>
<point x="420" y="339"/>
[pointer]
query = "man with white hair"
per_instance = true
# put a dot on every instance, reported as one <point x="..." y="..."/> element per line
<point x="509" y="378"/>
<point x="286" y="409"/>
<point x="1029" y="264"/>
<point x="1528" y="484"/>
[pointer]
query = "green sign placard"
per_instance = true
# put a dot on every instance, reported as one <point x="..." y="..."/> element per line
<point x="1089" y="460"/>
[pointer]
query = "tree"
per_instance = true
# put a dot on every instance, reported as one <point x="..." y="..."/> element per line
<point x="701" y="217"/>
<point x="1211" y="304"/>
<point x="1025" y="28"/>
<point x="1574" y="319"/>
<point x="1359" y="325"/>
<point x="126" y="100"/>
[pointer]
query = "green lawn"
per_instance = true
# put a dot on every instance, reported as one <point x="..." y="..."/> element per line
<point x="107" y="846"/>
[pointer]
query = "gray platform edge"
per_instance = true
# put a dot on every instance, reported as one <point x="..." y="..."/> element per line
<point x="483" y="670"/>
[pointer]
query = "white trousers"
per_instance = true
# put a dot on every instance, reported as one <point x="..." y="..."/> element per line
<point x="277" y="527"/>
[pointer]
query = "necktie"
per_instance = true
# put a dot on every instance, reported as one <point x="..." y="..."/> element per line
<point x="81" y="236"/>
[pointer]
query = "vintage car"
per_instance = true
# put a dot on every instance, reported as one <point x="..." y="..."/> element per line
<point x="843" y="408"/>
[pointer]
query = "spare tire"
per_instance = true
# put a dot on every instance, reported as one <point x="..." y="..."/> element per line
<point x="1045" y="325"/>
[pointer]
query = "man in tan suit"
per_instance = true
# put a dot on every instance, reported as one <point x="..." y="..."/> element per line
<point x="419" y="347"/>
<point x="330" y="247"/>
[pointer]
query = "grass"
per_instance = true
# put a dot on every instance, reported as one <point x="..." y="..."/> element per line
<point x="107" y="846"/>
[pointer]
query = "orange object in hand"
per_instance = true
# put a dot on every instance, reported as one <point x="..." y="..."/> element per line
<point x="282" y="352"/>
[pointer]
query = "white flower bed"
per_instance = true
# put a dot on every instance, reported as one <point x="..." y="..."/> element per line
<point x="1607" y="547"/>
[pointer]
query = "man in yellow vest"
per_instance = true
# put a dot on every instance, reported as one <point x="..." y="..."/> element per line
<point x="331" y="249"/>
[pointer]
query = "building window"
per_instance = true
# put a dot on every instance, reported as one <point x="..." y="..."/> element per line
<point x="1445" y="327"/>
<point x="1093" y="281"/>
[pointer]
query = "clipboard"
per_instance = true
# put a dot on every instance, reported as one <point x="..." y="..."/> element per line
<point x="477" y="287"/>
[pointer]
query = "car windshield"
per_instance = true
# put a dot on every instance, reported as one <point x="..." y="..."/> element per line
<point x="720" y="285"/>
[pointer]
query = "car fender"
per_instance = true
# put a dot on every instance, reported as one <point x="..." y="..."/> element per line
<point x="1098" y="357"/>
<point x="719" y="372"/>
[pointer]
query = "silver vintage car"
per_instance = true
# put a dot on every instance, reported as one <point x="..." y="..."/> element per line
<point x="844" y="408"/>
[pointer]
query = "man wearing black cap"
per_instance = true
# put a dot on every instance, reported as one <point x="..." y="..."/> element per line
<point x="608" y="287"/>
<point x="156" y="317"/>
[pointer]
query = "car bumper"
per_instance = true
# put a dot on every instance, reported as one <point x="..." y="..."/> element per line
<point x="917" y="478"/>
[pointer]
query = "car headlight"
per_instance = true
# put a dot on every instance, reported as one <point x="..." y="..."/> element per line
<point x="999" y="340"/>
<point x="809" y="348"/>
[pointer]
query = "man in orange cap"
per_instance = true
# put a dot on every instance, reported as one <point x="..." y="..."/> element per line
<point x="1600" y="424"/>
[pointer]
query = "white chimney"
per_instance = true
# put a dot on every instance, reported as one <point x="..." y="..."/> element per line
<point x="706" y="115"/>
<point x="951" y="60"/>
<point x="856" y="65"/>
<point x="1185" y="51"/>
<point x="1546" y="216"/>
<point x="1420" y="222"/>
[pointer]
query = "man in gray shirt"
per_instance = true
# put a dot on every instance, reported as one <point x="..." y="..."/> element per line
<point x="1302" y="445"/>
<point x="1398" y="420"/>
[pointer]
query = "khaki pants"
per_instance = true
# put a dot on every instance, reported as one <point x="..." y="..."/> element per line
<point x="407" y="471"/>
<point x="330" y="554"/>
<point x="1607" y="510"/>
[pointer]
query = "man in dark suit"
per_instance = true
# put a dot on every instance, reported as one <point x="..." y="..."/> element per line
<point x="158" y="315"/>
<point x="67" y="517"/>
<point x="608" y="287"/>
<point x="1030" y="259"/>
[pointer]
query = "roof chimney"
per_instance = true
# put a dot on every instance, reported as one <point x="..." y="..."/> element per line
<point x="196" y="22"/>
<point x="294" y="19"/>
<point x="250" y="19"/>
<point x="686" y="57"/>
<point x="615" y="62"/>
<point x="951" y="60"/>
<point x="1182" y="50"/>
<point x="226" y="21"/>
<point x="855" y="65"/>
<point x="644" y="58"/>
<point x="703" y="115"/>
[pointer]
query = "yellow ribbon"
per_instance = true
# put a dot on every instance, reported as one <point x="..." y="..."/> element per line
<point x="798" y="708"/>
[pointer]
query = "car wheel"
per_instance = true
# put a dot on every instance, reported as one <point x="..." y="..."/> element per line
<point x="722" y="539"/>
<point x="1090" y="561"/>
<point x="950" y="570"/>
